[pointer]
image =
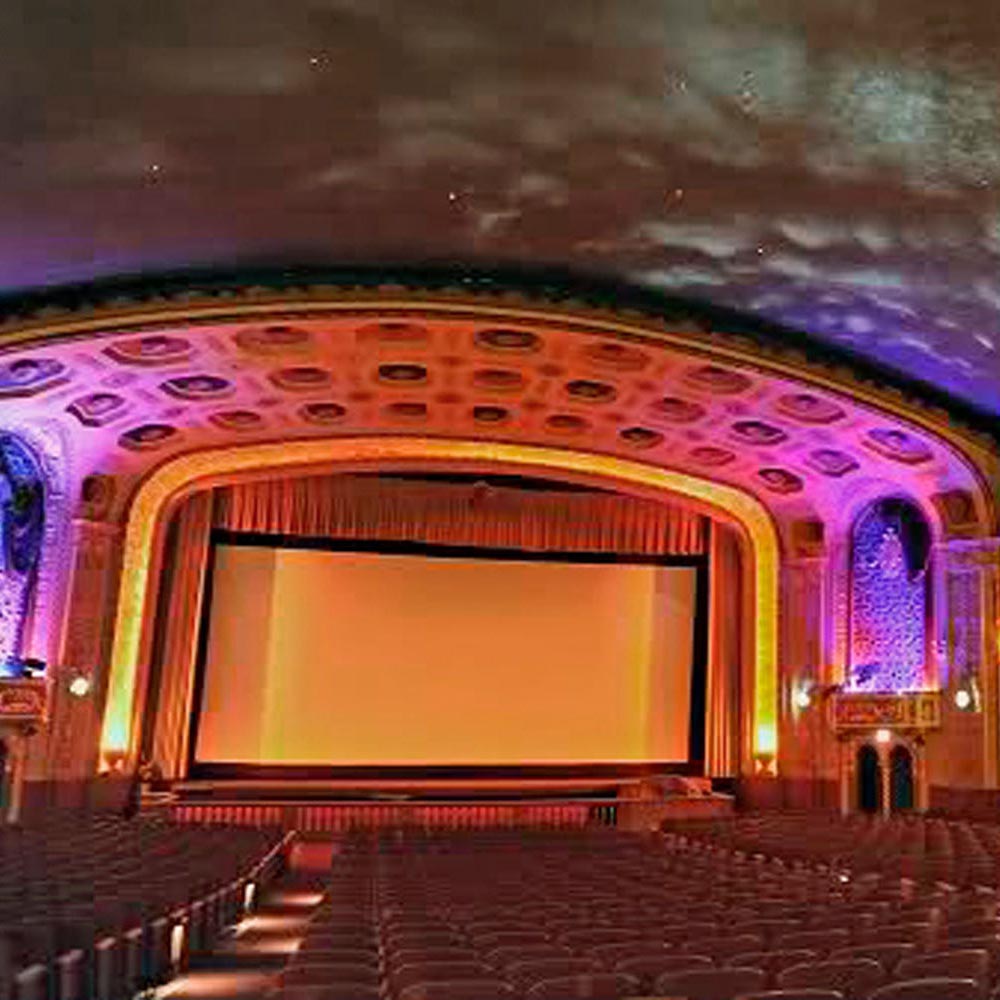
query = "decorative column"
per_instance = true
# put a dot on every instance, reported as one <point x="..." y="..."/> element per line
<point x="810" y="761"/>
<point x="23" y="709"/>
<point x="87" y="634"/>
<point x="968" y="636"/>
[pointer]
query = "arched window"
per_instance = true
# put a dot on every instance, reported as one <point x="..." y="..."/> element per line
<point x="889" y="558"/>
<point x="22" y="522"/>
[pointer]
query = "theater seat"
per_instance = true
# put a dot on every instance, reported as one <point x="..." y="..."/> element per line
<point x="972" y="963"/>
<point x="804" y="994"/>
<point x="648" y="968"/>
<point x="462" y="989"/>
<point x="854" y="977"/>
<point x="594" y="986"/>
<point x="710" y="984"/>
<point x="931" y="989"/>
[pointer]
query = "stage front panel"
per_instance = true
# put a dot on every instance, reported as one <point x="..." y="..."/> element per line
<point x="334" y="659"/>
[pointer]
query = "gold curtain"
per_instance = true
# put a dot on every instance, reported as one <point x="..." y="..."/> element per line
<point x="460" y="514"/>
<point x="726" y="603"/>
<point x="175" y="649"/>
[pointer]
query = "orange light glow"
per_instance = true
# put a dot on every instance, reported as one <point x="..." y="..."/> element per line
<point x="132" y="627"/>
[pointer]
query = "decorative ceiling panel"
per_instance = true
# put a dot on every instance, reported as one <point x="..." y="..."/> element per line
<point x="130" y="401"/>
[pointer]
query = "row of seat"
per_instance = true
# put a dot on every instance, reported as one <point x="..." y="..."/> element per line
<point x="956" y="851"/>
<point x="477" y="916"/>
<point x="122" y="907"/>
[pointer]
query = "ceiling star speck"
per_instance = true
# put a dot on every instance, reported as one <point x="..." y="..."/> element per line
<point x="832" y="167"/>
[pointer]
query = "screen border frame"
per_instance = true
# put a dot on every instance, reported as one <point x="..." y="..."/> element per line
<point x="694" y="766"/>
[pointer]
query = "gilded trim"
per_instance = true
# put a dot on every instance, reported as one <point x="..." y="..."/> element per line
<point x="147" y="512"/>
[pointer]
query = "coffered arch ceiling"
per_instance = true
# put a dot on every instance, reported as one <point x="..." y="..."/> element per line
<point x="830" y="165"/>
<point x="136" y="385"/>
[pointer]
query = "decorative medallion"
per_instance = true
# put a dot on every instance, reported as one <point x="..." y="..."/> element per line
<point x="301" y="378"/>
<point x="780" y="481"/>
<point x="499" y="379"/>
<point x="567" y="423"/>
<point x="196" y="388"/>
<point x="589" y="391"/>
<point x="512" y="341"/>
<point x="30" y="376"/>
<point x="393" y="332"/>
<point x="831" y="462"/>
<point x="402" y="373"/>
<point x="276" y="338"/>
<point x="758" y="434"/>
<point x="156" y="349"/>
<point x="898" y="445"/>
<point x="641" y="437"/>
<point x="490" y="414"/>
<point x="98" y="408"/>
<point x="712" y="457"/>
<point x="237" y="420"/>
<point x="322" y="413"/>
<point x="677" y="411"/>
<point x="720" y="381"/>
<point x="808" y="409"/>
<point x="148" y="437"/>
<point x="407" y="411"/>
<point x="619" y="357"/>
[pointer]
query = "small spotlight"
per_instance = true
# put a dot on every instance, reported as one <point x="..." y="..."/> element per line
<point x="883" y="736"/>
<point x="79" y="686"/>
<point x="844" y="877"/>
<point x="803" y="699"/>
<point x="963" y="699"/>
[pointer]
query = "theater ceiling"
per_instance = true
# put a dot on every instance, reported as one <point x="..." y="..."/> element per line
<point x="832" y="166"/>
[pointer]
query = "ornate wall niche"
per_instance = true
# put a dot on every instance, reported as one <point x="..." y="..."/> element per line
<point x="889" y="598"/>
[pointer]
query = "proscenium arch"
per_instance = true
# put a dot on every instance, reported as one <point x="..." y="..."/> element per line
<point x="152" y="500"/>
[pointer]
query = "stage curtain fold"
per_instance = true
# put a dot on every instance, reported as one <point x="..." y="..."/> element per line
<point x="351" y="507"/>
<point x="724" y="653"/>
<point x="175" y="648"/>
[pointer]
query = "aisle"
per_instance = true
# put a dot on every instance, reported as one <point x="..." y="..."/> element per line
<point x="244" y="962"/>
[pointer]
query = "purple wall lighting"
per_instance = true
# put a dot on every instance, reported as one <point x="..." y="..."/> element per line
<point x="22" y="522"/>
<point x="890" y="549"/>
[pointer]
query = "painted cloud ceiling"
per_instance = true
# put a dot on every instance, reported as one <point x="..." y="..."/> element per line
<point x="831" y="165"/>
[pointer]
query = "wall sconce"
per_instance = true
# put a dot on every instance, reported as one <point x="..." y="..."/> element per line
<point x="79" y="686"/>
<point x="963" y="699"/>
<point x="765" y="765"/>
<point x="883" y="736"/>
<point x="802" y="698"/>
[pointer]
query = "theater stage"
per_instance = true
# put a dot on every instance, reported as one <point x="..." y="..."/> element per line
<point x="641" y="803"/>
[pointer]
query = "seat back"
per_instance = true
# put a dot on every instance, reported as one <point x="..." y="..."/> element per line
<point x="971" y="963"/>
<point x="931" y="989"/>
<point x="459" y="989"/>
<point x="648" y="968"/>
<point x="820" y="941"/>
<point x="803" y="994"/>
<point x="429" y="972"/>
<point x="711" y="984"/>
<point x="592" y="986"/>
<point x="526" y="974"/>
<point x="773" y="962"/>
<point x="854" y="977"/>
<point x="888" y="955"/>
